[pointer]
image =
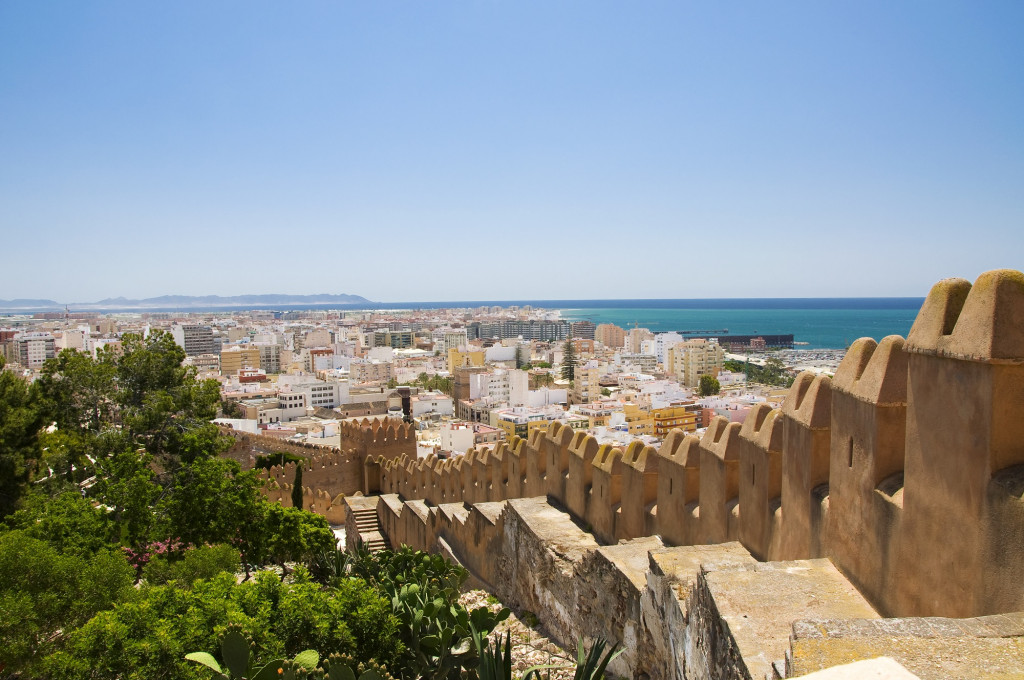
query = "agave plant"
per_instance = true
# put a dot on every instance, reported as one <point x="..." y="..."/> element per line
<point x="591" y="665"/>
<point x="496" y="662"/>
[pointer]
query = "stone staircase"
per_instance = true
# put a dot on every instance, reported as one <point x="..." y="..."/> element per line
<point x="369" y="529"/>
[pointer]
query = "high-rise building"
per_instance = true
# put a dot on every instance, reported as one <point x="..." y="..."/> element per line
<point x="235" y="358"/>
<point x="610" y="335"/>
<point x="691" y="359"/>
<point x="270" y="357"/>
<point x="583" y="329"/>
<point x="586" y="386"/>
<point x="193" y="338"/>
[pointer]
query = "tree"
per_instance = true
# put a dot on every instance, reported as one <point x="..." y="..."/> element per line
<point x="20" y="422"/>
<point x="164" y="409"/>
<point x="708" y="385"/>
<point x="211" y="501"/>
<point x="569" y="360"/>
<point x="78" y="391"/>
<point x="522" y="356"/>
<point x="43" y="593"/>
<point x="295" y="535"/>
<point x="297" y="487"/>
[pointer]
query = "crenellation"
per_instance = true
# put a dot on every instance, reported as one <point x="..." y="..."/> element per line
<point x="580" y="479"/>
<point x="869" y="400"/>
<point x="679" y="489"/>
<point x="556" y="451"/>
<point x="521" y="451"/>
<point x="806" y="450"/>
<point x="536" y="465"/>
<point x="496" y="473"/>
<point x="965" y="424"/>
<point x="760" y="482"/>
<point x="719" y="480"/>
<point x="639" y="491"/>
<point x="606" y="493"/>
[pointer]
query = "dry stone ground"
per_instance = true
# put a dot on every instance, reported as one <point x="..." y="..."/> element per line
<point x="529" y="646"/>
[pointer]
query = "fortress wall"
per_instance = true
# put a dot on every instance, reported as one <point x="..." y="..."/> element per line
<point x="806" y="421"/>
<point x="906" y="469"/>
<point x="760" y="481"/>
<point x="719" y="480"/>
<point x="703" y="611"/>
<point x="678" y="512"/>
<point x="467" y="472"/>
<point x="482" y="475"/>
<point x="965" y="433"/>
<point x="385" y="437"/>
<point x="372" y="471"/>
<point x="329" y="473"/>
<point x="869" y="404"/>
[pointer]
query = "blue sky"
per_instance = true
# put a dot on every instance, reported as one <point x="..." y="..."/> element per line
<point x="508" y="150"/>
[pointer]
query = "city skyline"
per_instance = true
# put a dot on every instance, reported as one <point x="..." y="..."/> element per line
<point x="497" y="151"/>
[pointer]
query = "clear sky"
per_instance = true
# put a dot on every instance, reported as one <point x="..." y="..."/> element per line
<point x="508" y="150"/>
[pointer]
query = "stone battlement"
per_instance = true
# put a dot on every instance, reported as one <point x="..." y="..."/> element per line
<point x="328" y="473"/>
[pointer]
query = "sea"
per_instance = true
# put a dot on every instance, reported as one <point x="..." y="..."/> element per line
<point x="816" y="323"/>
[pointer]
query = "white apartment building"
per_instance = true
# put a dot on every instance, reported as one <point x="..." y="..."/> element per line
<point x="456" y="437"/>
<point x="432" y="403"/>
<point x="316" y="393"/>
<point x="292" y="405"/>
<point x="34" y="348"/>
<point x="453" y="339"/>
<point x="500" y="386"/>
<point x="662" y="341"/>
<point x="646" y="363"/>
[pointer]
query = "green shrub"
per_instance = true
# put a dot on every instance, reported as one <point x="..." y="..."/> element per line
<point x="268" y="461"/>
<point x="68" y="522"/>
<point x="43" y="593"/>
<point x="197" y="563"/>
<point x="148" y="637"/>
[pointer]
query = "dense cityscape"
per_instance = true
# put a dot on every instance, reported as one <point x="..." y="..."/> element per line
<point x="474" y="376"/>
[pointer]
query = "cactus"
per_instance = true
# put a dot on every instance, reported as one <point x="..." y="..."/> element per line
<point x="345" y="667"/>
<point x="240" y="661"/>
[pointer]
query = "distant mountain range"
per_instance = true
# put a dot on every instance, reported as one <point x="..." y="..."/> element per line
<point x="184" y="302"/>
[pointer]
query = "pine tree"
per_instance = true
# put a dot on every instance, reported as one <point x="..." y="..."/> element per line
<point x="569" y="361"/>
<point x="297" y="487"/>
